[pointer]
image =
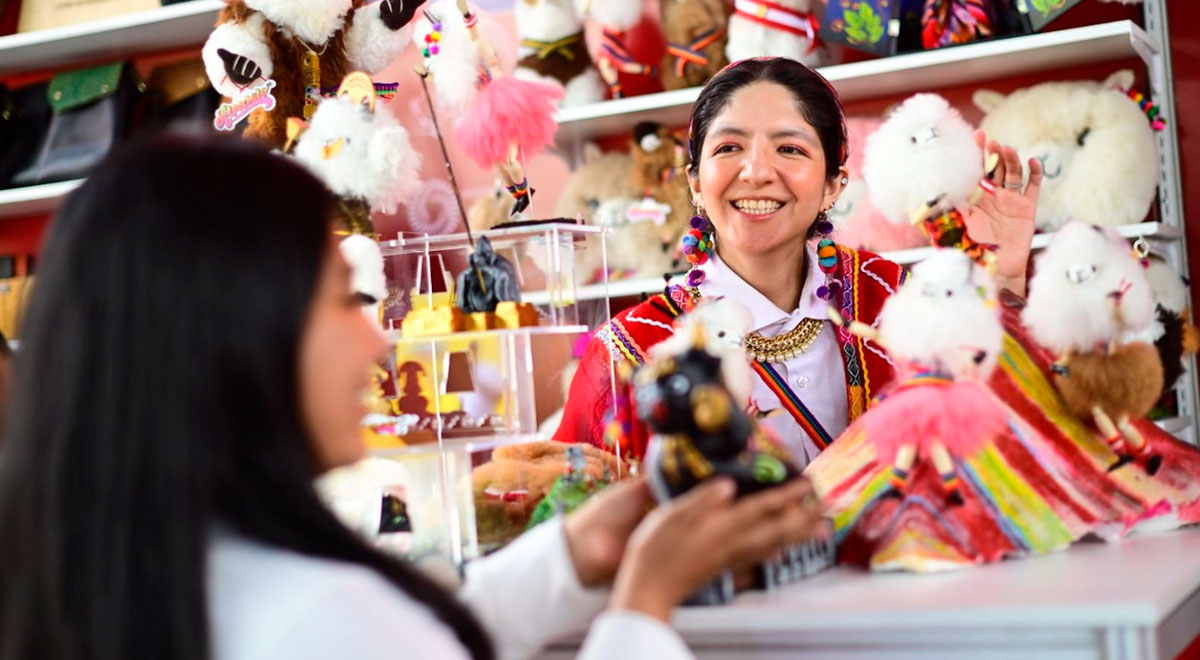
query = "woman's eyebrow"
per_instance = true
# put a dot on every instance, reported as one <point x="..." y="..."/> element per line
<point x="795" y="133"/>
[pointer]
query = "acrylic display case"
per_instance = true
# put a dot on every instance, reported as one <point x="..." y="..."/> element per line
<point x="477" y="458"/>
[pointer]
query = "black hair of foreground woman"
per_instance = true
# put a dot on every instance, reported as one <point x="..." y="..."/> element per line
<point x="155" y="395"/>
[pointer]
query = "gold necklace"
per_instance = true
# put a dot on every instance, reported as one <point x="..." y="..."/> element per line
<point x="780" y="348"/>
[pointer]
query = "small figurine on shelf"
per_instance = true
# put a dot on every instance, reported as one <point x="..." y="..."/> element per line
<point x="616" y="19"/>
<point x="1087" y="294"/>
<point x="271" y="56"/>
<point x="553" y="50"/>
<point x="488" y="280"/>
<point x="501" y="120"/>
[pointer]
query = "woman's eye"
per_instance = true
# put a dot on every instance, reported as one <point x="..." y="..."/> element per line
<point x="724" y="148"/>
<point x="791" y="150"/>
<point x="358" y="299"/>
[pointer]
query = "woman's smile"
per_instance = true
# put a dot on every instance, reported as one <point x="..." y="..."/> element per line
<point x="757" y="208"/>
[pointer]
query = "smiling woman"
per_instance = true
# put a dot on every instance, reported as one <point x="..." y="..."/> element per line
<point x="768" y="152"/>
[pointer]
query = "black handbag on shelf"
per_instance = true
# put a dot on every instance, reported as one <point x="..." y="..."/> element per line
<point x="180" y="93"/>
<point x="92" y="110"/>
<point x="24" y="120"/>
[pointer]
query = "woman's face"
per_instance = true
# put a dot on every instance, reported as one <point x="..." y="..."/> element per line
<point x="337" y="349"/>
<point x="762" y="177"/>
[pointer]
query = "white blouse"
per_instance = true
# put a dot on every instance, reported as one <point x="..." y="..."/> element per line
<point x="265" y="602"/>
<point x="817" y="376"/>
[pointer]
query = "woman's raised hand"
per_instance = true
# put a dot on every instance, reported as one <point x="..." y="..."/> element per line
<point x="1007" y="217"/>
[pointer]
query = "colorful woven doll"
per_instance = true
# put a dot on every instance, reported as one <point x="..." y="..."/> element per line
<point x="501" y="120"/>
<point x="930" y="478"/>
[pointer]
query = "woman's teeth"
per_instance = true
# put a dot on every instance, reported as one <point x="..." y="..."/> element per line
<point x="757" y="206"/>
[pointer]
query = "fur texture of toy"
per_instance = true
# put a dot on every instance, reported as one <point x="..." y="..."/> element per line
<point x="599" y="192"/>
<point x="553" y="50"/>
<point x="658" y="174"/>
<point x="695" y="34"/>
<point x="924" y="150"/>
<point x="259" y="40"/>
<point x="1173" y="334"/>
<point x="1087" y="294"/>
<point x="779" y="29"/>
<point x="724" y="323"/>
<point x="361" y="152"/>
<point x="859" y="224"/>
<point x="508" y="109"/>
<point x="1096" y="146"/>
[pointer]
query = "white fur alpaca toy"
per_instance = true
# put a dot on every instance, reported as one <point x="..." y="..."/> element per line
<point x="787" y="28"/>
<point x="725" y="323"/>
<point x="360" y="152"/>
<point x="1097" y="149"/>
<point x="259" y="40"/>
<point x="925" y="149"/>
<point x="367" y="278"/>
<point x="1088" y="293"/>
<point x="553" y="50"/>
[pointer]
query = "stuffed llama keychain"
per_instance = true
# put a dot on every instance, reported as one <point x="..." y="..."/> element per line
<point x="501" y="120"/>
<point x="272" y="57"/>
<point x="1087" y="295"/>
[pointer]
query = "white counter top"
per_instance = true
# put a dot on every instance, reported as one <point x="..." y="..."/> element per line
<point x="1136" y="599"/>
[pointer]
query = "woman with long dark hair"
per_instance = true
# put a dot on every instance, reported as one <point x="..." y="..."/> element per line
<point x="193" y="357"/>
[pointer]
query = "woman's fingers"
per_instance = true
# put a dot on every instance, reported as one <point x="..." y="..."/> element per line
<point x="1013" y="174"/>
<point x="767" y="522"/>
<point x="1035" y="179"/>
<point x="1000" y="174"/>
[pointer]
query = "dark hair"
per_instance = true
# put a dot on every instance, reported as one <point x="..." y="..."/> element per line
<point x="815" y="98"/>
<point x="157" y="395"/>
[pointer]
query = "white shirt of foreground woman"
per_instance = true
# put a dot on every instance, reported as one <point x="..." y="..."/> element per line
<point x="264" y="602"/>
<point x="817" y="376"/>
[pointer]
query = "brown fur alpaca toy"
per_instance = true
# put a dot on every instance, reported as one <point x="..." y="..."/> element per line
<point x="695" y="34"/>
<point x="1089" y="296"/>
<point x="658" y="173"/>
<point x="281" y="40"/>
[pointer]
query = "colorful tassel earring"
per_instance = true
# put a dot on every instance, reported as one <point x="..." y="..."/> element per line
<point x="698" y="247"/>
<point x="827" y="258"/>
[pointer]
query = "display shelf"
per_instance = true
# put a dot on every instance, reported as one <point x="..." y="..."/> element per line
<point x="33" y="200"/>
<point x="888" y="76"/>
<point x="500" y="238"/>
<point x="174" y="26"/>
<point x="633" y="287"/>
<point x="1138" y="599"/>
<point x="468" y="445"/>
<point x="532" y="331"/>
<point x="1175" y="425"/>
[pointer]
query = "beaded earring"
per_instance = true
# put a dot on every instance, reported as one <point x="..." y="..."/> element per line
<point x="827" y="258"/>
<point x="698" y="246"/>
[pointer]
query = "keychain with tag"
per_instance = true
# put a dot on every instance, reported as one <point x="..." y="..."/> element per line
<point x="311" y="66"/>
<point x="232" y="113"/>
